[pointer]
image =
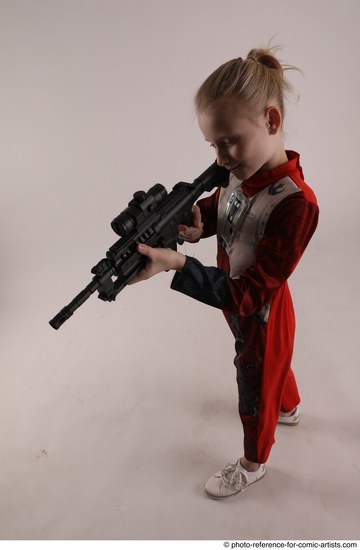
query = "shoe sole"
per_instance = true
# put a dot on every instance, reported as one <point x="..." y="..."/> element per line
<point x="290" y="420"/>
<point x="285" y="422"/>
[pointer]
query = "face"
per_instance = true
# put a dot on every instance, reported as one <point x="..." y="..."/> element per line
<point x="243" y="144"/>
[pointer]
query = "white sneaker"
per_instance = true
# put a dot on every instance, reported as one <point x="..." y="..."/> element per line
<point x="291" y="420"/>
<point x="232" y="479"/>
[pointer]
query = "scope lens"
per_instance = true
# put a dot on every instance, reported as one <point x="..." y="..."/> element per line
<point x="138" y="209"/>
<point x="123" y="224"/>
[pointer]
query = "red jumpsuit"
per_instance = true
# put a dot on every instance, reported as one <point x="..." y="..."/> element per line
<point x="263" y="226"/>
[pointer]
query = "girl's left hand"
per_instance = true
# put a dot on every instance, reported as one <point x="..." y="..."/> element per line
<point x="158" y="260"/>
<point x="193" y="233"/>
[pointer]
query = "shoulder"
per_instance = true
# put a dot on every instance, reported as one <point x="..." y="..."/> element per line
<point x="297" y="176"/>
<point x="306" y="191"/>
<point x="295" y="213"/>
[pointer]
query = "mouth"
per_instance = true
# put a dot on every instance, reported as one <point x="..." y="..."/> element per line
<point x="232" y="168"/>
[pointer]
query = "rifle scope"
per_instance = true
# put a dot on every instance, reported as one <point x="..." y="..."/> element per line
<point x="142" y="204"/>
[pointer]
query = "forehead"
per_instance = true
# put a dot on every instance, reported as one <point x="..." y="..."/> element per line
<point x="223" y="119"/>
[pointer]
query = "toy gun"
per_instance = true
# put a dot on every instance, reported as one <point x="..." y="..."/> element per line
<point x="151" y="218"/>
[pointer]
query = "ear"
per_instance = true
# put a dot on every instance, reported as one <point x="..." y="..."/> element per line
<point x="274" y="119"/>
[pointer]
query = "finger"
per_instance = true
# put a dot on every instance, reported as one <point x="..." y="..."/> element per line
<point x="197" y="216"/>
<point x="182" y="228"/>
<point x="135" y="280"/>
<point x="144" y="249"/>
<point x="141" y="276"/>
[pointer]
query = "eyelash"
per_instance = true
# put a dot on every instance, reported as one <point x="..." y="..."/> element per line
<point x="230" y="142"/>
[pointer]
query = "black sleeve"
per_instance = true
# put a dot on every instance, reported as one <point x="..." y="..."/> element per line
<point x="209" y="285"/>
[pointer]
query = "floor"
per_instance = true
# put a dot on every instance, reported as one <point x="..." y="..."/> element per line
<point x="111" y="425"/>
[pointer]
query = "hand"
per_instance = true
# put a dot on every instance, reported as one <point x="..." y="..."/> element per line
<point x="159" y="259"/>
<point x="192" y="234"/>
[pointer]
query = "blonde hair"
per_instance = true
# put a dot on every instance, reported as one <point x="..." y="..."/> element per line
<point x="256" y="81"/>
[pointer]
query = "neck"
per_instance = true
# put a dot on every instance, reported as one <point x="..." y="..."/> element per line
<point x="278" y="158"/>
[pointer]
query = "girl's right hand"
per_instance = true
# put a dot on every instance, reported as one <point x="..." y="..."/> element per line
<point x="158" y="260"/>
<point x="192" y="234"/>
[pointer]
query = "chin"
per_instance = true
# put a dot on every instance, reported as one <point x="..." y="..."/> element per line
<point x="242" y="173"/>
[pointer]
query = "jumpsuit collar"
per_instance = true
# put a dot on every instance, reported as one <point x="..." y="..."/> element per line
<point x="261" y="180"/>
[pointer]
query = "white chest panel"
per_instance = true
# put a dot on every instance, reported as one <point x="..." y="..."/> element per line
<point x="242" y="220"/>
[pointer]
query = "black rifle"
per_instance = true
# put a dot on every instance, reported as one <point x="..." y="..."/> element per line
<point x="151" y="218"/>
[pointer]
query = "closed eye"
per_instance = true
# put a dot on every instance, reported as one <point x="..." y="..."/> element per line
<point x="226" y="142"/>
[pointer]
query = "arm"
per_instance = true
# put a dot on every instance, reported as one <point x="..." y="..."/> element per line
<point x="192" y="234"/>
<point x="287" y="234"/>
<point x="158" y="260"/>
<point x="165" y="259"/>
<point x="204" y="220"/>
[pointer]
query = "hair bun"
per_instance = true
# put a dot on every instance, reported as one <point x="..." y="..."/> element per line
<point x="256" y="81"/>
<point x="265" y="58"/>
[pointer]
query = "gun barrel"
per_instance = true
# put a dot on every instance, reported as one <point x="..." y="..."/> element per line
<point x="68" y="310"/>
<point x="61" y="317"/>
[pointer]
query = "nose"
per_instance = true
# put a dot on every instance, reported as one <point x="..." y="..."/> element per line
<point x="222" y="157"/>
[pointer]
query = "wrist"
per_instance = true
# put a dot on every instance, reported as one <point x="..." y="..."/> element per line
<point x="179" y="261"/>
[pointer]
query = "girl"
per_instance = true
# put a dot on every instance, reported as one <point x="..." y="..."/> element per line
<point x="263" y="220"/>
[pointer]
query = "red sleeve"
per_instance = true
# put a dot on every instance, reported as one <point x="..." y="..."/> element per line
<point x="208" y="208"/>
<point x="287" y="234"/>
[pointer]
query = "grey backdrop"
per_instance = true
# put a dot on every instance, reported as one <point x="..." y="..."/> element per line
<point x="110" y="426"/>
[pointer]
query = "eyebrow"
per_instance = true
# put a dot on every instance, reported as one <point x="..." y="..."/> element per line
<point x="223" y="138"/>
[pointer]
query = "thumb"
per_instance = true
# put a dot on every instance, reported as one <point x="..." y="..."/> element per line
<point x="144" y="249"/>
<point x="196" y="212"/>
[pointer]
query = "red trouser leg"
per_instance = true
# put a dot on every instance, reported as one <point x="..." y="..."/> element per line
<point x="290" y="397"/>
<point x="263" y="359"/>
<point x="250" y="339"/>
<point x="278" y="380"/>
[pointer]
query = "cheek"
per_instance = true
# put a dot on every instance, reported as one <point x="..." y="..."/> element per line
<point x="260" y="144"/>
<point x="245" y="151"/>
<point x="240" y="150"/>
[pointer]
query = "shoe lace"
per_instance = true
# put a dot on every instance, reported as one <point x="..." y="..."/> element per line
<point x="232" y="476"/>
